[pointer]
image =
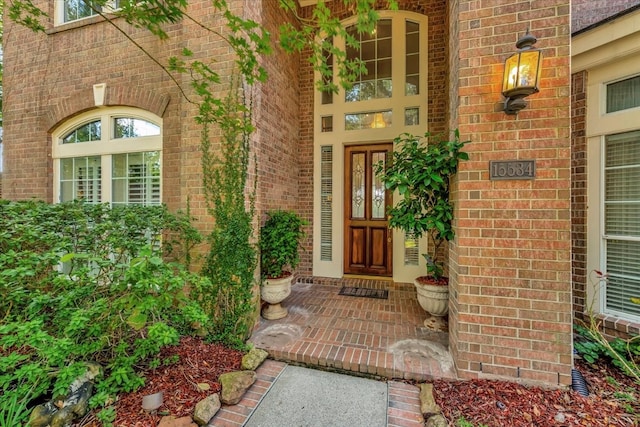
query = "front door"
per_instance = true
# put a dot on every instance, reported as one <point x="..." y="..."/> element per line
<point x="367" y="236"/>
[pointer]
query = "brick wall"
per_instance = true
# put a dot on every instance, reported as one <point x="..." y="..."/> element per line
<point x="579" y="191"/>
<point x="49" y="78"/>
<point x="588" y="12"/>
<point x="276" y="109"/>
<point x="511" y="266"/>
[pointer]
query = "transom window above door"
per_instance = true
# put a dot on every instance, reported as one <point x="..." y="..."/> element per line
<point x="375" y="53"/>
<point x="390" y="92"/>
<point x="113" y="156"/>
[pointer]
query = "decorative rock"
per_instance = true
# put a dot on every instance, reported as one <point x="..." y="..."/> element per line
<point x="428" y="405"/>
<point x="252" y="360"/>
<point x="234" y="385"/>
<point x="437" y="421"/>
<point x="75" y="404"/>
<point x="62" y="418"/>
<point x="171" y="421"/>
<point x="151" y="402"/>
<point x="41" y="415"/>
<point x="78" y="401"/>
<point x="560" y="418"/>
<point x="206" y="409"/>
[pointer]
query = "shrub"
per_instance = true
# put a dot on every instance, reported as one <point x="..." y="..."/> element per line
<point x="81" y="283"/>
<point x="280" y="242"/>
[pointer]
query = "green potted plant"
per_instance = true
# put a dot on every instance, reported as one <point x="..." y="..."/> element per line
<point x="420" y="170"/>
<point x="280" y="238"/>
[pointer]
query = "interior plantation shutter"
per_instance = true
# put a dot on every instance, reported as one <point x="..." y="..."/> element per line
<point x="622" y="221"/>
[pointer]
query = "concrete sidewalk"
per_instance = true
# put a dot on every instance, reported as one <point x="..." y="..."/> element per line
<point x="312" y="398"/>
<point x="291" y="396"/>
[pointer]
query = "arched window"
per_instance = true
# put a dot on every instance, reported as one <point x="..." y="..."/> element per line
<point x="109" y="156"/>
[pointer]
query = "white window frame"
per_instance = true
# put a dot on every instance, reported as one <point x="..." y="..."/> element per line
<point x="106" y="147"/>
<point x="599" y="124"/>
<point x="110" y="7"/>
<point x="604" y="238"/>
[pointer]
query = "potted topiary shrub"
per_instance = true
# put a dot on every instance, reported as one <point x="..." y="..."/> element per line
<point x="420" y="170"/>
<point x="280" y="238"/>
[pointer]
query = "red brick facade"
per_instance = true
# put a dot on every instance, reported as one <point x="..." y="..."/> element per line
<point x="50" y="77"/>
<point x="510" y="263"/>
<point x="578" y="190"/>
<point x="588" y="12"/>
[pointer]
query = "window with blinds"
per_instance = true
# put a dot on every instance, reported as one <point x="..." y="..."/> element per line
<point x="622" y="221"/>
<point x="411" y="250"/>
<point x="326" y="195"/>
<point x="623" y="95"/>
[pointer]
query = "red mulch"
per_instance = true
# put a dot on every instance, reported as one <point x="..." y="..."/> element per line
<point x="199" y="363"/>
<point x="492" y="403"/>
<point x="502" y="403"/>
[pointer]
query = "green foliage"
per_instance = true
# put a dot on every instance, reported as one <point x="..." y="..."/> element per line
<point x="25" y="13"/>
<point x="593" y="344"/>
<point x="280" y="238"/>
<point x="622" y="353"/>
<point x="13" y="411"/>
<point x="317" y="34"/>
<point x="462" y="422"/>
<point x="232" y="259"/>
<point x="420" y="171"/>
<point x="81" y="283"/>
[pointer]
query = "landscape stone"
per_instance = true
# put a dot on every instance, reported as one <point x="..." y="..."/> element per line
<point x="428" y="405"/>
<point x="206" y="409"/>
<point x="78" y="401"/>
<point x="62" y="418"/>
<point x="171" y="421"/>
<point x="234" y="385"/>
<point x="252" y="360"/>
<point x="74" y="405"/>
<point x="436" y="421"/>
<point x="41" y="415"/>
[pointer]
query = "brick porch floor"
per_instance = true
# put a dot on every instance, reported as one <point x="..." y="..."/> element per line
<point x="383" y="338"/>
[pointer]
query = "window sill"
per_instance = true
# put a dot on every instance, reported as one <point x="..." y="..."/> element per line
<point x="617" y="327"/>
<point x="79" y="23"/>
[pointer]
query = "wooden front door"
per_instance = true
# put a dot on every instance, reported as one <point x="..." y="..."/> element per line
<point x="367" y="236"/>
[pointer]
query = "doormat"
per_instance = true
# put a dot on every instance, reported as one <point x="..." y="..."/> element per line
<point x="364" y="292"/>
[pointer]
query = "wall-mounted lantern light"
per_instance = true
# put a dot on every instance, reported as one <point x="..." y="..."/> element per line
<point x="521" y="74"/>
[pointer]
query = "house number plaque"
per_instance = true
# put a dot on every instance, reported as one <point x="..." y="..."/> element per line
<point x="512" y="169"/>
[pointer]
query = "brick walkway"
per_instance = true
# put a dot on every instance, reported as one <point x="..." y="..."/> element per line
<point x="403" y="401"/>
<point x="380" y="338"/>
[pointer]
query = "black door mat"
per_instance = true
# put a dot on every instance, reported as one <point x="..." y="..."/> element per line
<point x="364" y="292"/>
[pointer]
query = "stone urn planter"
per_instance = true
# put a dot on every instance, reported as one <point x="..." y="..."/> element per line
<point x="274" y="291"/>
<point x="279" y="243"/>
<point x="433" y="296"/>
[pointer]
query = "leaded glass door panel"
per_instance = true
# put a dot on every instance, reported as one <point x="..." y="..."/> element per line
<point x="367" y="236"/>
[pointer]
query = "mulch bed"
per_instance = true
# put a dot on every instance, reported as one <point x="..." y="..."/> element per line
<point x="502" y="403"/>
<point x="492" y="403"/>
<point x="182" y="383"/>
